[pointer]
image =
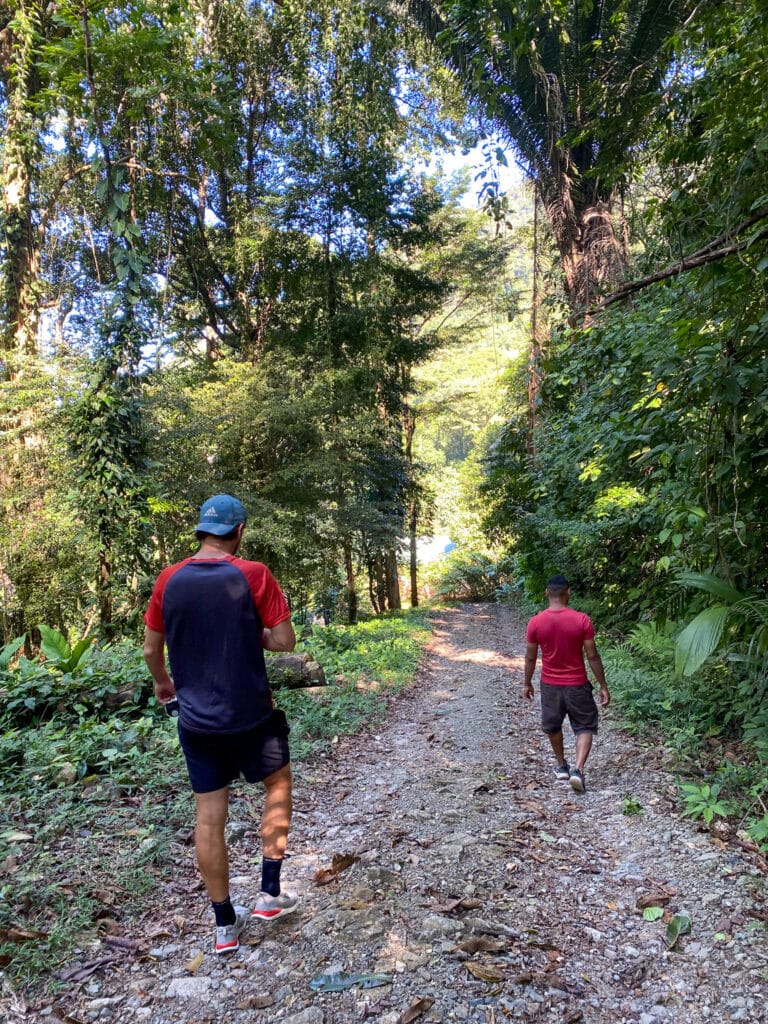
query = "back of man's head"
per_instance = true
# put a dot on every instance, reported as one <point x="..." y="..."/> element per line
<point x="558" y="586"/>
<point x="220" y="516"/>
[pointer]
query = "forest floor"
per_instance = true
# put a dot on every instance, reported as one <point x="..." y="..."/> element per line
<point x="440" y="854"/>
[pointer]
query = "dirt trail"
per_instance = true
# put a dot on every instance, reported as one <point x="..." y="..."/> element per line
<point x="454" y="799"/>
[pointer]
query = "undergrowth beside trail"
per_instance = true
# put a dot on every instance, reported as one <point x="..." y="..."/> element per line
<point x="713" y="724"/>
<point x="96" y="816"/>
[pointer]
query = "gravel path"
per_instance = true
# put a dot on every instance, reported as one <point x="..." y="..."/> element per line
<point x="481" y="889"/>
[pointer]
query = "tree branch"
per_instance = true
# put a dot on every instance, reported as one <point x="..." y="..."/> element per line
<point x="710" y="253"/>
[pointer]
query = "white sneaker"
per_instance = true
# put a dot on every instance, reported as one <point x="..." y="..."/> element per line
<point x="228" y="935"/>
<point x="268" y="907"/>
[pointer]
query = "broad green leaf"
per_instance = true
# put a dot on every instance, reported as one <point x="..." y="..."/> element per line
<point x="53" y="645"/>
<point x="699" y="639"/>
<point x="7" y="652"/>
<point x="679" y="925"/>
<point x="80" y="653"/>
<point x="653" y="913"/>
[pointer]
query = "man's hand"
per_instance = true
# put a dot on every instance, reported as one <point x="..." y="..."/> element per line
<point x="165" y="691"/>
<point x="605" y="697"/>
<point x="528" y="691"/>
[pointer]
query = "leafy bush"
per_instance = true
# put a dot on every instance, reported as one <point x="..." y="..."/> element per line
<point x="709" y="720"/>
<point x="470" y="575"/>
<point x="386" y="649"/>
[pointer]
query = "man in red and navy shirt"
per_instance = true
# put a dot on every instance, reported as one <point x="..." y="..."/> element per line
<point x="216" y="613"/>
<point x="564" y="636"/>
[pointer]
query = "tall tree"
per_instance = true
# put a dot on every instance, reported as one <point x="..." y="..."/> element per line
<point x="571" y="84"/>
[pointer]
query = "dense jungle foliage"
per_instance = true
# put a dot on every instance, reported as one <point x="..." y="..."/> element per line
<point x="231" y="260"/>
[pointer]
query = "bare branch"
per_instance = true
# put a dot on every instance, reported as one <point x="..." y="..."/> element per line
<point x="710" y="253"/>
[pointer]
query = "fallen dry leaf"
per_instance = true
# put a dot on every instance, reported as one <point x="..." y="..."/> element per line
<point x="417" y="1007"/>
<point x="80" y="973"/>
<point x="340" y="862"/>
<point x="256" y="1002"/>
<point x="20" y="934"/>
<point x="480" y="944"/>
<point x="485" y="972"/>
<point x="195" y="963"/>
<point x="9" y="865"/>
<point x="122" y="942"/>
<point x="461" y="903"/>
<point x="532" y="806"/>
<point x="652" y="899"/>
<point x="573" y="1017"/>
<point x="110" y="926"/>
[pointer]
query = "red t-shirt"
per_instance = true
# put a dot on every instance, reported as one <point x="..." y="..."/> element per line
<point x="560" y="633"/>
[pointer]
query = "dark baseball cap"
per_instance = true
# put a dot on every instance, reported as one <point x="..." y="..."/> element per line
<point x="220" y="515"/>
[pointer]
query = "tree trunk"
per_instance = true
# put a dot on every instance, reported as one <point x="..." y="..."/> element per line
<point x="105" y="577"/>
<point x="392" y="580"/>
<point x="413" y="560"/>
<point x="591" y="253"/>
<point x="409" y="429"/>
<point x="349" y="569"/>
<point x="20" y="56"/>
<point x="379" y="582"/>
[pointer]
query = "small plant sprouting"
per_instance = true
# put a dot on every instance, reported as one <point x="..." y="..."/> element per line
<point x="703" y="801"/>
<point x="631" y="805"/>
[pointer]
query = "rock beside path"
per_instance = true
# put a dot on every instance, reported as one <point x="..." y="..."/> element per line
<point x="478" y="889"/>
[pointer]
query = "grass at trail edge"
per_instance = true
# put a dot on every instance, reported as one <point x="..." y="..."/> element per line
<point x="96" y="815"/>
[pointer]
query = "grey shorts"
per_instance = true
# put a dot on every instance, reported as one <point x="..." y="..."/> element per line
<point x="216" y="759"/>
<point x="577" y="702"/>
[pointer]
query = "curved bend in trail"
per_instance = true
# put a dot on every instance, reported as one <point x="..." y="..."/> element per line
<point x="483" y="888"/>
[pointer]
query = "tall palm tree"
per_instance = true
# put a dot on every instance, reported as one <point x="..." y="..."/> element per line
<point x="571" y="84"/>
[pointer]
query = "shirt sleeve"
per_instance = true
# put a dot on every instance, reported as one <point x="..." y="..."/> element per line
<point x="530" y="633"/>
<point x="589" y="629"/>
<point x="267" y="596"/>
<point x="153" y="617"/>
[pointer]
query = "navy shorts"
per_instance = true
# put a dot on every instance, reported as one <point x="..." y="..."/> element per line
<point x="577" y="702"/>
<point x="216" y="759"/>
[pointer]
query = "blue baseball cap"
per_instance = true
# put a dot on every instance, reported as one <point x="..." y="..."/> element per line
<point x="220" y="515"/>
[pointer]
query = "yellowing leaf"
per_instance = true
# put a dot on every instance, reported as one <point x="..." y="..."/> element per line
<point x="194" y="964"/>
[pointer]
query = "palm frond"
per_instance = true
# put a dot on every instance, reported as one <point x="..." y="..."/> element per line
<point x="700" y="638"/>
<point x="710" y="584"/>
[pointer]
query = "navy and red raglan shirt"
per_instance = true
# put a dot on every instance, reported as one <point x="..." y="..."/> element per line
<point x="212" y="613"/>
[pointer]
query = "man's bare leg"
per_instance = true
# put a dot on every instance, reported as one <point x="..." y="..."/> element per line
<point x="556" y="739"/>
<point x="210" y="845"/>
<point x="583" y="747"/>
<point x="276" y="816"/>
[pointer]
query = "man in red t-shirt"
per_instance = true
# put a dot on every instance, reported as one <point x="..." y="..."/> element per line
<point x="215" y="614"/>
<point x="564" y="636"/>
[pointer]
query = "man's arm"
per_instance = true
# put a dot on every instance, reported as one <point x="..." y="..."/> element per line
<point x="280" y="637"/>
<point x="596" y="664"/>
<point x="531" y="654"/>
<point x="154" y="655"/>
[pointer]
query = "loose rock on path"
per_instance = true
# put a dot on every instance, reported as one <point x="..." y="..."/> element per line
<point x="475" y="886"/>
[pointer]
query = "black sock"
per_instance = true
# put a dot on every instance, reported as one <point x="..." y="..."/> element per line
<point x="224" y="911"/>
<point x="270" y="875"/>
